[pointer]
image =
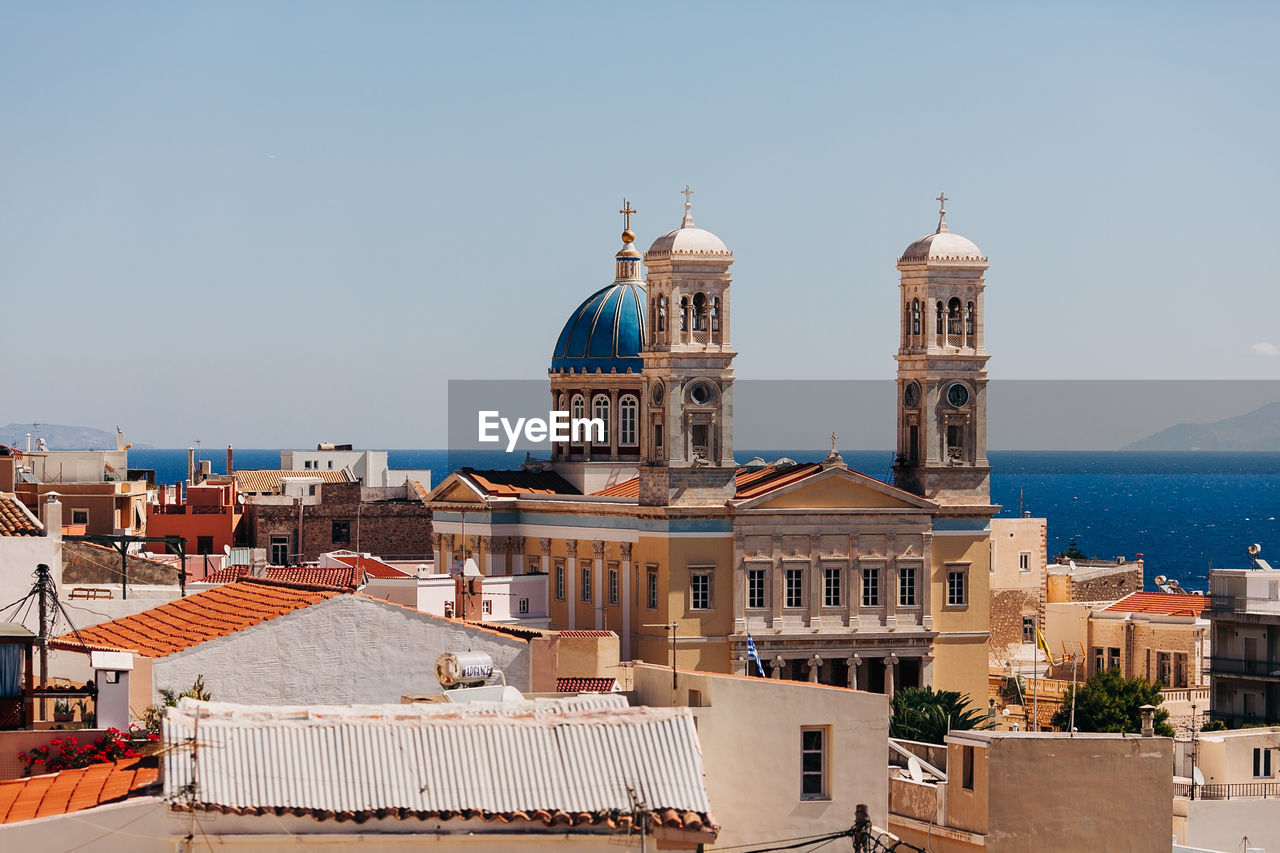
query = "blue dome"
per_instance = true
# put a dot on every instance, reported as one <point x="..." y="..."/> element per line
<point x="605" y="333"/>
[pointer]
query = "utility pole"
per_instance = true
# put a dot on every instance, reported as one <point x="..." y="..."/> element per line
<point x="1072" y="724"/>
<point x="669" y="626"/>
<point x="44" y="590"/>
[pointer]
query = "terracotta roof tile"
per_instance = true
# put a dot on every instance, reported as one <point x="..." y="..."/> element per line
<point x="268" y="481"/>
<point x="512" y="483"/>
<point x="14" y="520"/>
<point x="625" y="489"/>
<point x="337" y="576"/>
<point x="370" y="566"/>
<point x="190" y="621"/>
<point x="586" y="685"/>
<point x="586" y="633"/>
<point x="76" y="790"/>
<point x="1163" y="603"/>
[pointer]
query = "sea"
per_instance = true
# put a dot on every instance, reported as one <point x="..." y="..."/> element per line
<point x="1184" y="512"/>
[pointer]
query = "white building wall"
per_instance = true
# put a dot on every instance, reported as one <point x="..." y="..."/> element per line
<point x="19" y="556"/>
<point x="350" y="648"/>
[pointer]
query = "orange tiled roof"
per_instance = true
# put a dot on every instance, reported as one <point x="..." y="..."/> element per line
<point x="344" y="577"/>
<point x="625" y="489"/>
<point x="513" y="483"/>
<point x="268" y="481"/>
<point x="749" y="484"/>
<point x="422" y="490"/>
<point x="370" y="566"/>
<point x="190" y="621"/>
<point x="586" y="684"/>
<point x="14" y="520"/>
<point x="581" y="632"/>
<point x="75" y="790"/>
<point x="1163" y="603"/>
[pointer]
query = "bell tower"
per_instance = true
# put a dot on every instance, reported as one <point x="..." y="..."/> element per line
<point x="688" y="369"/>
<point x="942" y="371"/>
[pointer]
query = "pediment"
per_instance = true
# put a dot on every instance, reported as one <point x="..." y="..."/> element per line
<point x="838" y="488"/>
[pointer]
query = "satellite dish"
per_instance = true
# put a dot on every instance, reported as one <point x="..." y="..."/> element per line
<point x="1255" y="549"/>
<point x="1159" y="580"/>
<point x="913" y="767"/>
<point x="1071" y="563"/>
<point x="1196" y="775"/>
<point x="226" y="549"/>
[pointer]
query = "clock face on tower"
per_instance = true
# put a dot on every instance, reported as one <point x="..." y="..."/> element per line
<point x="958" y="395"/>
<point x="911" y="395"/>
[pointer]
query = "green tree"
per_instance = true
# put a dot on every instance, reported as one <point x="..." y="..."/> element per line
<point x="1109" y="702"/>
<point x="153" y="716"/>
<point x="927" y="715"/>
<point x="1073" y="552"/>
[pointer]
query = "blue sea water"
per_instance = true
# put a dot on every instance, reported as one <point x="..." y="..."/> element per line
<point x="1184" y="512"/>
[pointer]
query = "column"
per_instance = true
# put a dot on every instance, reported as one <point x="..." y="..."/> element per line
<point x="777" y="583"/>
<point x="613" y="423"/>
<point x="487" y="543"/>
<point x="598" y="583"/>
<point x="739" y="584"/>
<point x="891" y="581"/>
<point x="890" y="671"/>
<point x="854" y="662"/>
<point x="775" y="667"/>
<point x="815" y="664"/>
<point x="926" y="583"/>
<point x="625" y="580"/>
<point x="544" y="545"/>
<point x="816" y="580"/>
<point x="571" y="582"/>
<point x="515" y="547"/>
<point x="926" y="670"/>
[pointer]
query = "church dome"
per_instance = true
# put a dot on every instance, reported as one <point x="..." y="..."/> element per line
<point x="605" y="333"/>
<point x="943" y="246"/>
<point x="688" y="241"/>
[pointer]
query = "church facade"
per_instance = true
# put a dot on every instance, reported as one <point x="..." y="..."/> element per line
<point x="654" y="531"/>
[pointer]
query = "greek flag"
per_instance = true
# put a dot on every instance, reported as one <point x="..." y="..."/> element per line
<point x="755" y="655"/>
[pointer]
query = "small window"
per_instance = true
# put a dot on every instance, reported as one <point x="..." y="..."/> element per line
<point x="1028" y="629"/>
<point x="1113" y="658"/>
<point x="1099" y="661"/>
<point x="1024" y="561"/>
<point x="906" y="586"/>
<point x="700" y="590"/>
<point x="651" y="589"/>
<point x="966" y="775"/>
<point x="755" y="588"/>
<point x="586" y="582"/>
<point x="1262" y="763"/>
<point x="279" y="550"/>
<point x="79" y="516"/>
<point x="341" y="532"/>
<point x="448" y="610"/>
<point x="204" y="544"/>
<point x="957" y="588"/>
<point x="831" y="593"/>
<point x="795" y="588"/>
<point x="524" y="606"/>
<point x="870" y="587"/>
<point x="695" y="698"/>
<point x="613" y="586"/>
<point x="534" y="567"/>
<point x="486" y="607"/>
<point x="311" y="490"/>
<point x="559" y="580"/>
<point x="813" y="763"/>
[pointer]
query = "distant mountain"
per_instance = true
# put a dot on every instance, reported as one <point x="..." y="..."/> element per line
<point x="1257" y="430"/>
<point x="61" y="437"/>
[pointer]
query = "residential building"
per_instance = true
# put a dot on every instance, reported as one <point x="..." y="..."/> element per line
<point x="1237" y="800"/>
<point x="783" y="759"/>
<point x="206" y="515"/>
<point x="94" y="487"/>
<point x="1093" y="580"/>
<point x="1038" y="791"/>
<point x="367" y="467"/>
<point x="1244" y="611"/>
<point x="1017" y="586"/>
<point x="26" y="542"/>
<point x="1160" y="636"/>
<point x="836" y="576"/>
<point x="312" y="516"/>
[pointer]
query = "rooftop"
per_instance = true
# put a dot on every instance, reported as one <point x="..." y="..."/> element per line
<point x="266" y="481"/>
<point x="1163" y="603"/>
<point x="340" y="577"/>
<point x="14" y="518"/>
<point x="196" y="619"/>
<point x="370" y="566"/>
<point x="514" y="483"/>
<point x="75" y="790"/>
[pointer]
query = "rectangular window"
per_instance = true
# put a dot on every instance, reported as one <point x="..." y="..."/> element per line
<point x="651" y="590"/>
<point x="559" y="580"/>
<point x="755" y="588"/>
<point x="906" y="586"/>
<point x="586" y="582"/>
<point x="534" y="567"/>
<point x="279" y="550"/>
<point x="341" y="532"/>
<point x="966" y="776"/>
<point x="1099" y="661"/>
<point x="486" y="607"/>
<point x="1028" y="629"/>
<point x="79" y="516"/>
<point x="831" y="596"/>
<point x="957" y="594"/>
<point x="1024" y="561"/>
<point x="813" y="763"/>
<point x="1113" y="658"/>
<point x="870" y="587"/>
<point x="1262" y="763"/>
<point x="524" y="606"/>
<point x="700" y="591"/>
<point x="613" y="586"/>
<point x="795" y="588"/>
<point x="204" y="544"/>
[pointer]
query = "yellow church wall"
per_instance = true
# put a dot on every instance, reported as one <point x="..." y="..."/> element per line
<point x="835" y="493"/>
<point x="960" y="650"/>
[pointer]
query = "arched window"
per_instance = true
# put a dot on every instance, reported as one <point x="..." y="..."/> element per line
<point x="968" y="320"/>
<point x="715" y="314"/>
<point x="684" y="313"/>
<point x="938" y="330"/>
<point x="628" y="411"/>
<point x="578" y="413"/>
<point x="915" y="316"/>
<point x="662" y="314"/>
<point x="700" y="312"/>
<point x="953" y="316"/>
<point x="600" y="411"/>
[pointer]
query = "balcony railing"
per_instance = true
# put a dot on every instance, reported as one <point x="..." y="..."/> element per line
<point x="1235" y="721"/>
<point x="1219" y="603"/>
<point x="1235" y="791"/>
<point x="1240" y="666"/>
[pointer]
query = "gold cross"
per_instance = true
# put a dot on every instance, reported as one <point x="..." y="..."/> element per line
<point x="627" y="211"/>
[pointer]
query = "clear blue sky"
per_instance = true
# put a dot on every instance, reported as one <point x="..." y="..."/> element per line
<point x="277" y="223"/>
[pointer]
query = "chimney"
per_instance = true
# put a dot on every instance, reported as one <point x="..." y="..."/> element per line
<point x="206" y="469"/>
<point x="1148" y="720"/>
<point x="231" y="468"/>
<point x="53" y="516"/>
<point x="111" y="676"/>
<point x="191" y="466"/>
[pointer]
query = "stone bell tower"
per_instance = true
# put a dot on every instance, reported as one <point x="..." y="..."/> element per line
<point x="688" y="369"/>
<point x="942" y="373"/>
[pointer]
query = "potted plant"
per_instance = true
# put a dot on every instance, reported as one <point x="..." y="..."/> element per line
<point x="62" y="712"/>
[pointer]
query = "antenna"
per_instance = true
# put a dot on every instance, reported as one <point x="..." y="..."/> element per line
<point x="913" y="767"/>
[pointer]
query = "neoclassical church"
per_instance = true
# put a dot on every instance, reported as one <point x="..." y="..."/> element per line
<point x="836" y="576"/>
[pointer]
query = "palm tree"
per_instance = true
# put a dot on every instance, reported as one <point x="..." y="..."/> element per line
<point x="925" y="714"/>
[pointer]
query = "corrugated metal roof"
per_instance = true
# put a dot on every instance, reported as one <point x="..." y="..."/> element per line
<point x="267" y="481"/>
<point x="571" y="757"/>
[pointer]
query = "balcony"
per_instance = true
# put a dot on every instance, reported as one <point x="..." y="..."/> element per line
<point x="1240" y="666"/>
<point x="1236" y="721"/>
<point x="1244" y="604"/>
<point x="1237" y="791"/>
